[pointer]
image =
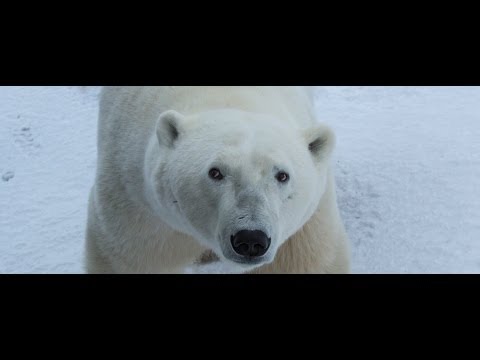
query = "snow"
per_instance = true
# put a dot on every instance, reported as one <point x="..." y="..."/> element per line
<point x="407" y="165"/>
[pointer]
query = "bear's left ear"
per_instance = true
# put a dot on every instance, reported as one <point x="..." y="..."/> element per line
<point x="169" y="127"/>
<point x="321" y="141"/>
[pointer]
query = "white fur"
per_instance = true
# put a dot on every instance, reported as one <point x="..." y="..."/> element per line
<point x="154" y="209"/>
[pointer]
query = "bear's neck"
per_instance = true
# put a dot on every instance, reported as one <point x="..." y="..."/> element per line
<point x="256" y="99"/>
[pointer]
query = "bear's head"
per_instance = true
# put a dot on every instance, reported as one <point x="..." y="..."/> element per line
<point x="240" y="183"/>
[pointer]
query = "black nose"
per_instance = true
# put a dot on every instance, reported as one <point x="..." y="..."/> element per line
<point x="250" y="243"/>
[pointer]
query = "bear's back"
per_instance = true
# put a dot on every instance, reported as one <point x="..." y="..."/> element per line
<point x="128" y="114"/>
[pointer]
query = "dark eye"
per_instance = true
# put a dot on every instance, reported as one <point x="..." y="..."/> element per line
<point x="215" y="174"/>
<point x="282" y="177"/>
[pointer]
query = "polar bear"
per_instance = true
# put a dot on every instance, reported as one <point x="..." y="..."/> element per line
<point x="241" y="172"/>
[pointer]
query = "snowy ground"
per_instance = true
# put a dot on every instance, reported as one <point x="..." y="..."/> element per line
<point x="407" y="162"/>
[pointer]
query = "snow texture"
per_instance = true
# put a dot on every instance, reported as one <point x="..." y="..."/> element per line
<point x="407" y="165"/>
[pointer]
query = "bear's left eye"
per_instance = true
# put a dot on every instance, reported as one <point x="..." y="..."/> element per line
<point x="215" y="174"/>
<point x="282" y="177"/>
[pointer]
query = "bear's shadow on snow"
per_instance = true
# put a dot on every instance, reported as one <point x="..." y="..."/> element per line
<point x="356" y="201"/>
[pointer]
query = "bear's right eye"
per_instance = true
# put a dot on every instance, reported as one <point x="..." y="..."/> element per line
<point x="215" y="174"/>
<point x="282" y="177"/>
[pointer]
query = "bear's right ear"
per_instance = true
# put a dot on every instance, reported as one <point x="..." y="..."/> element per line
<point x="169" y="128"/>
<point x="321" y="141"/>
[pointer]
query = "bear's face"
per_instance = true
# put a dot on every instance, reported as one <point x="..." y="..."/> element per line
<point x="240" y="183"/>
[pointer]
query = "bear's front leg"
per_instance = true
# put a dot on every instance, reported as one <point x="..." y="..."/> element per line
<point x="315" y="249"/>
